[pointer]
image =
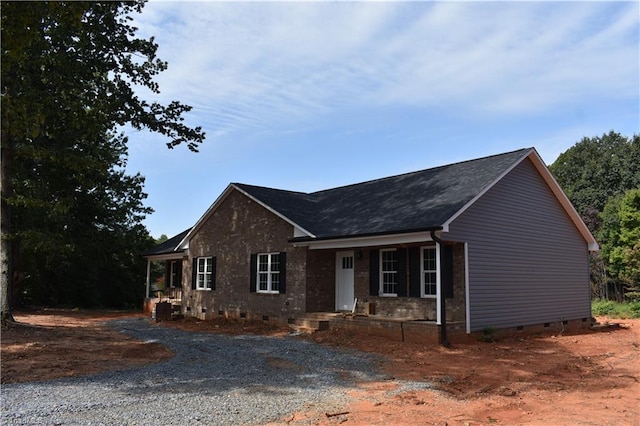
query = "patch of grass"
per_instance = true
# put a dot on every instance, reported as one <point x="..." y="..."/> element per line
<point x="488" y="334"/>
<point x="613" y="309"/>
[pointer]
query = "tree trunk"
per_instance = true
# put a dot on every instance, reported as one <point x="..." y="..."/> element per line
<point x="6" y="191"/>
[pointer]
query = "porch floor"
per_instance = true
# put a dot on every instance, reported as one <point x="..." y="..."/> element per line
<point x="395" y="328"/>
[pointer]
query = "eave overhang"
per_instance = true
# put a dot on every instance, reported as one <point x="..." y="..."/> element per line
<point x="298" y="230"/>
<point x="551" y="182"/>
<point x="176" y="255"/>
<point x="367" y="240"/>
<point x="592" y="244"/>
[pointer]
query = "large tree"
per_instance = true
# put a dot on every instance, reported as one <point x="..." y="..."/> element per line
<point x="620" y="240"/>
<point x="71" y="74"/>
<point x="596" y="169"/>
<point x="592" y="172"/>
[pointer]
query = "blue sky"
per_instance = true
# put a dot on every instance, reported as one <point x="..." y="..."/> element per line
<point x="312" y="95"/>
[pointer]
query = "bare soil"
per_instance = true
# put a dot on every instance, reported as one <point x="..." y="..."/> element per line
<point x="581" y="378"/>
<point x="52" y="344"/>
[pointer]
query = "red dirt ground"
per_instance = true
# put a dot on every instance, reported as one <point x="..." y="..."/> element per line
<point x="52" y="344"/>
<point x="583" y="378"/>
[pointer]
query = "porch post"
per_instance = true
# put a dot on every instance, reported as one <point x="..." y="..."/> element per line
<point x="148" y="278"/>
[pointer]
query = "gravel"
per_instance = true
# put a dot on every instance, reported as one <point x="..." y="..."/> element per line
<point x="213" y="379"/>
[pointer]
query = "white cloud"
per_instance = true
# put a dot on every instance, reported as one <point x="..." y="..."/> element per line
<point x="258" y="64"/>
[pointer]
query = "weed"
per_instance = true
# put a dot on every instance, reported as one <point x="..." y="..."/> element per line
<point x="488" y="334"/>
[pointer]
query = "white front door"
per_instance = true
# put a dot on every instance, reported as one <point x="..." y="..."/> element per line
<point x="344" y="281"/>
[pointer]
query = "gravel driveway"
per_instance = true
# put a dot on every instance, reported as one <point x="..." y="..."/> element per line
<point x="214" y="379"/>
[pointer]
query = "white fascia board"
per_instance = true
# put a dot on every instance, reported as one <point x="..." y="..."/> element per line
<point x="299" y="231"/>
<point x="297" y="228"/>
<point x="369" y="241"/>
<point x="184" y="244"/>
<point x="564" y="201"/>
<point x="533" y="155"/>
<point x="445" y="226"/>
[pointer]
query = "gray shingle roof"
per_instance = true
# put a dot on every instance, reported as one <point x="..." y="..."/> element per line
<point x="421" y="200"/>
<point x="168" y="247"/>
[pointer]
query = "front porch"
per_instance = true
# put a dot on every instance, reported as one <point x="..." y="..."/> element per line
<point x="399" y="329"/>
<point x="165" y="306"/>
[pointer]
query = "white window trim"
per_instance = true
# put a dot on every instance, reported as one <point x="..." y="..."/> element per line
<point x="423" y="294"/>
<point x="269" y="272"/>
<point x="381" y="272"/>
<point x="208" y="260"/>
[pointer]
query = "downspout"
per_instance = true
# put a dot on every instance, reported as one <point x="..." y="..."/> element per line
<point x="443" y="306"/>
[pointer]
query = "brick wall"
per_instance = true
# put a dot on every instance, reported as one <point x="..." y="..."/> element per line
<point x="321" y="273"/>
<point x="237" y="228"/>
<point x="415" y="307"/>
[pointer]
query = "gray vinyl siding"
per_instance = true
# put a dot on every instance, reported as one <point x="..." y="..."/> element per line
<point x="528" y="264"/>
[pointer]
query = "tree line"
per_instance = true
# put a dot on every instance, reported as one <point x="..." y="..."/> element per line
<point x="601" y="177"/>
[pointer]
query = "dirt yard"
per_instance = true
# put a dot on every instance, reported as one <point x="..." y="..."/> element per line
<point x="586" y="378"/>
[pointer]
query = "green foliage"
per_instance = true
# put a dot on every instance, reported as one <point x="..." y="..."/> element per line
<point x="620" y="238"/>
<point x="488" y="334"/>
<point x="71" y="72"/>
<point x="611" y="309"/>
<point x="603" y="307"/>
<point x="597" y="174"/>
<point x="596" y="169"/>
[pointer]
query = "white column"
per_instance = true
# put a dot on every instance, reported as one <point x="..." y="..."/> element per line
<point x="148" y="277"/>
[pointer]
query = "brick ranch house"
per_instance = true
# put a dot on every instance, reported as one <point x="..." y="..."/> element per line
<point x="492" y="242"/>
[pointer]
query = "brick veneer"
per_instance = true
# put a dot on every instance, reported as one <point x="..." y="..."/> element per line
<point x="414" y="307"/>
<point x="237" y="228"/>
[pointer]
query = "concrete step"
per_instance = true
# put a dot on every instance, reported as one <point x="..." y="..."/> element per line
<point x="309" y="325"/>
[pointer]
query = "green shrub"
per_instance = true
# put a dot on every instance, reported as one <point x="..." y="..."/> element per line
<point x="603" y="307"/>
<point x="613" y="309"/>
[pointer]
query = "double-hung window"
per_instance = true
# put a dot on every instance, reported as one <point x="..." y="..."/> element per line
<point x="268" y="273"/>
<point x="204" y="273"/>
<point x="389" y="272"/>
<point x="429" y="272"/>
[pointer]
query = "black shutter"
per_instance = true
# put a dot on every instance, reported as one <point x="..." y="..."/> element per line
<point x="194" y="275"/>
<point x="401" y="289"/>
<point x="253" y="271"/>
<point x="213" y="273"/>
<point x="374" y="272"/>
<point x="414" y="272"/>
<point x="283" y="272"/>
<point x="446" y="275"/>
